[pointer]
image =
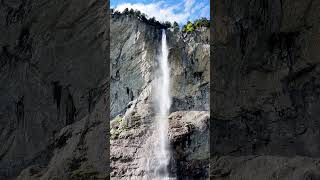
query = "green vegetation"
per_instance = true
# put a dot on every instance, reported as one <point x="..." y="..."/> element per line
<point x="203" y="22"/>
<point x="116" y="132"/>
<point x="37" y="176"/>
<point x="167" y="24"/>
<point x="188" y="28"/>
<point x="85" y="173"/>
<point x="120" y="125"/>
<point x="143" y="17"/>
<point x="191" y="27"/>
<point x="176" y="26"/>
<point x="118" y="119"/>
<point x="135" y="119"/>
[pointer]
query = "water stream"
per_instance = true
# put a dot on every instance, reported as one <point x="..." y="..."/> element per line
<point x="163" y="101"/>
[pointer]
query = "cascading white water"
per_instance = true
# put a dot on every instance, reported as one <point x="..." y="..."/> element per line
<point x="161" y="149"/>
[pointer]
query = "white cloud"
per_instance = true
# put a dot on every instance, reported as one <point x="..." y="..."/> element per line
<point x="181" y="12"/>
<point x="188" y="5"/>
<point x="160" y="10"/>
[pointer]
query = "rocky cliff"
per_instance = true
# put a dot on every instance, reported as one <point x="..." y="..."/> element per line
<point x="134" y="48"/>
<point x="265" y="90"/>
<point x="54" y="113"/>
<point x="53" y="88"/>
<point x="54" y="78"/>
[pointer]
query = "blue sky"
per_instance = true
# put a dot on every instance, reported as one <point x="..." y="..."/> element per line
<point x="180" y="11"/>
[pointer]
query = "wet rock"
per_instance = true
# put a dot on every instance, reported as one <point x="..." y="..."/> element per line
<point x="134" y="53"/>
<point x="189" y="142"/>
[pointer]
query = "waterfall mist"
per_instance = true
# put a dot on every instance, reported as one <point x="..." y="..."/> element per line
<point x="158" y="164"/>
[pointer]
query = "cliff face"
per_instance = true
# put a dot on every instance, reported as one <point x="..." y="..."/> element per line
<point x="53" y="76"/>
<point x="54" y="116"/>
<point x="265" y="90"/>
<point x="134" y="50"/>
<point x="135" y="47"/>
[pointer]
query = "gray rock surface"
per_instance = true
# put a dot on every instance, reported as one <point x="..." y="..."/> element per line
<point x="133" y="51"/>
<point x="135" y="47"/>
<point x="265" y="168"/>
<point x="53" y="73"/>
<point x="131" y="145"/>
<point x="265" y="91"/>
<point x="54" y="92"/>
<point x="189" y="140"/>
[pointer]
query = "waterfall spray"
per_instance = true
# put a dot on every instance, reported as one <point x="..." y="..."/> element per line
<point x="161" y="148"/>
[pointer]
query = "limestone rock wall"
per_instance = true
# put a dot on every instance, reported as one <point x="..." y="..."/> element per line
<point x="135" y="48"/>
<point x="54" y="120"/>
<point x="265" y="91"/>
<point x="52" y="65"/>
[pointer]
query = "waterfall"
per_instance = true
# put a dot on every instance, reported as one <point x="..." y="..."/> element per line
<point x="163" y="101"/>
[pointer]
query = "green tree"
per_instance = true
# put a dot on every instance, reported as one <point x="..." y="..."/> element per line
<point x="202" y="22"/>
<point x="126" y="11"/>
<point x="175" y="26"/>
<point x="152" y="20"/>
<point x="167" y="24"/>
<point x="116" y="12"/>
<point x="131" y="12"/>
<point x="138" y="13"/>
<point x="144" y="17"/>
<point x="189" y="27"/>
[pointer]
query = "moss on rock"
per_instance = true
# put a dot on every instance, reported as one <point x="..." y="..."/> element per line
<point x="84" y="173"/>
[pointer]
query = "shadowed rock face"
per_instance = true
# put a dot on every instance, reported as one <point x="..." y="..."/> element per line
<point x="53" y="73"/>
<point x="135" y="47"/>
<point x="265" y="87"/>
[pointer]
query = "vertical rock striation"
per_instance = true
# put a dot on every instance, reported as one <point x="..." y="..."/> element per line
<point x="265" y="91"/>
<point x="52" y="54"/>
<point x="135" y="48"/>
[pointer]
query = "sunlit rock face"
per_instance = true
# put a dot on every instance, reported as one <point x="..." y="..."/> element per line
<point x="265" y="90"/>
<point x="54" y="92"/>
<point x="135" y="49"/>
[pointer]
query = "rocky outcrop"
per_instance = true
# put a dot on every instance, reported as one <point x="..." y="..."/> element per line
<point x="189" y="139"/>
<point x="54" y="115"/>
<point x="79" y="151"/>
<point x="53" y="79"/>
<point x="190" y="64"/>
<point x="135" y="48"/>
<point x="131" y="145"/>
<point x="265" y="91"/>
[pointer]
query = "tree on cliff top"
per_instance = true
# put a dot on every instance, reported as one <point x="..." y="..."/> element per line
<point x="167" y="24"/>
<point x="176" y="26"/>
<point x="202" y="22"/>
<point x="126" y="11"/>
<point x="190" y="27"/>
